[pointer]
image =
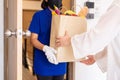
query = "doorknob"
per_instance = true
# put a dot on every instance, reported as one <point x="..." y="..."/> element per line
<point x="10" y="33"/>
<point x="26" y="33"/>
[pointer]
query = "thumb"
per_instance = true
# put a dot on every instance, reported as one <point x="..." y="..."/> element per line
<point x="66" y="33"/>
<point x="55" y="51"/>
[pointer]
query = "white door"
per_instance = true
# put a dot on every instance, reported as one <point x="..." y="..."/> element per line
<point x="13" y="67"/>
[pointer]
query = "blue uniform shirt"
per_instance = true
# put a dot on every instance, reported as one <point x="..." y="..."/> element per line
<point x="41" y="25"/>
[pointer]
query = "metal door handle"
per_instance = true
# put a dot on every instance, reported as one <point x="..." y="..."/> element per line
<point x="10" y="33"/>
<point x="26" y="33"/>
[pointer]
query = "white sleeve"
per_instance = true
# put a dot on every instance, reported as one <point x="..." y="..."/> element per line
<point x="117" y="3"/>
<point x="101" y="60"/>
<point x="98" y="37"/>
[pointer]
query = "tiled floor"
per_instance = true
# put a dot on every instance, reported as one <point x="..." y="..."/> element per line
<point x="27" y="75"/>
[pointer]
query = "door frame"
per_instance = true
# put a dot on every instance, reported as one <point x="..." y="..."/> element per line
<point x="2" y="40"/>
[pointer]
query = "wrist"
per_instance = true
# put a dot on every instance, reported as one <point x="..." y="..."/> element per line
<point x="44" y="48"/>
<point x="70" y="40"/>
<point x="94" y="57"/>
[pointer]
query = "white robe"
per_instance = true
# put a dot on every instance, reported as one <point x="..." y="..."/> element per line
<point x="103" y="39"/>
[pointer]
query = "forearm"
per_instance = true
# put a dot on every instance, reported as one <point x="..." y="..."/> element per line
<point x="101" y="60"/>
<point x="49" y="51"/>
<point x="37" y="44"/>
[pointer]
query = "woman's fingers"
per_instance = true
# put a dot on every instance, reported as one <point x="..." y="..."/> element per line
<point x="63" y="40"/>
<point x="57" y="44"/>
<point x="89" y="61"/>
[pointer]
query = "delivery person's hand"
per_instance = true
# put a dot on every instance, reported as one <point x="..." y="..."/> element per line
<point x="50" y="54"/>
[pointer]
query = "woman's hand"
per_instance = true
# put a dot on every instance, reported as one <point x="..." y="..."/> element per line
<point x="89" y="61"/>
<point x="63" y="40"/>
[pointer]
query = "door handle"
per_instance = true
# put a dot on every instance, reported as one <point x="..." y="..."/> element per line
<point x="27" y="33"/>
<point x="9" y="33"/>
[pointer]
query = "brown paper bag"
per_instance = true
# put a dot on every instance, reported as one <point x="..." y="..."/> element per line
<point x="61" y="23"/>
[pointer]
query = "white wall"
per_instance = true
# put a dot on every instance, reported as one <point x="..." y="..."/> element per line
<point x="92" y="72"/>
<point x="1" y="40"/>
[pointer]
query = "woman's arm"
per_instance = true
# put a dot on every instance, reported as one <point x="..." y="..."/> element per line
<point x="97" y="38"/>
<point x="34" y="40"/>
<point x="101" y="60"/>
